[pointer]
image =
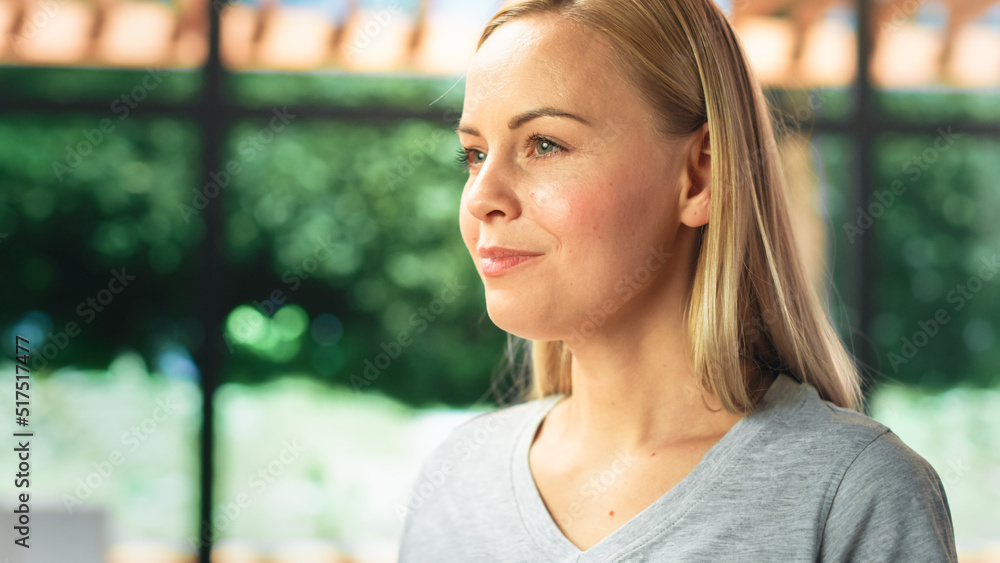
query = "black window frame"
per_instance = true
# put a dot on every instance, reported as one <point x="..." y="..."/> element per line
<point x="215" y="114"/>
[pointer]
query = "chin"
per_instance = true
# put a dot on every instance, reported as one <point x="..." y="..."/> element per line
<point x="512" y="315"/>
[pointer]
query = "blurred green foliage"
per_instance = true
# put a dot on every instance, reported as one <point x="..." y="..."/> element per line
<point x="78" y="204"/>
<point x="798" y="108"/>
<point x="359" y="222"/>
<point x="416" y="93"/>
<point x="937" y="251"/>
<point x="96" y="85"/>
<point x="353" y="227"/>
<point x="379" y="203"/>
<point x="919" y="106"/>
<point x="833" y="161"/>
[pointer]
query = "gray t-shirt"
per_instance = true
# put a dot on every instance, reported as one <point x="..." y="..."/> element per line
<point x="799" y="479"/>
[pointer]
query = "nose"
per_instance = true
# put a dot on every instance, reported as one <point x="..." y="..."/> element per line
<point x="492" y="194"/>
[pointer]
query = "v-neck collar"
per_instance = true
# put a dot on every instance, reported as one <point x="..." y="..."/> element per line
<point x="655" y="518"/>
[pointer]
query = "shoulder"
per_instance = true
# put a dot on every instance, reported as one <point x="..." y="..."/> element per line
<point x="801" y="433"/>
<point x="887" y="503"/>
<point x="888" y="474"/>
<point x="864" y="444"/>
<point x="795" y="418"/>
<point x="890" y="505"/>
<point x="883" y="501"/>
<point x="887" y="455"/>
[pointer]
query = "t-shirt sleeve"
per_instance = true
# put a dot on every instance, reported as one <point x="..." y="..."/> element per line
<point x="890" y="507"/>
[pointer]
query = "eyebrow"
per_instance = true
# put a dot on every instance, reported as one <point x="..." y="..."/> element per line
<point x="525" y="117"/>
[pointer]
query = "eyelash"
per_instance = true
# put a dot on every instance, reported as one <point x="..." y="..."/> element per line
<point x="463" y="154"/>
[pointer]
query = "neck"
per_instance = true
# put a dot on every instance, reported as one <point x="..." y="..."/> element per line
<point x="633" y="384"/>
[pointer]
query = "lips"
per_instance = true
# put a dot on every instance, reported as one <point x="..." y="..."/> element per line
<point x="503" y="252"/>
<point x="497" y="266"/>
<point x="497" y="260"/>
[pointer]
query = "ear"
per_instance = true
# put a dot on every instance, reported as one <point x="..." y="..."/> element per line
<point x="696" y="179"/>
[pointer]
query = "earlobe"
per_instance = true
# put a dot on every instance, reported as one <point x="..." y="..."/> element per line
<point x="699" y="208"/>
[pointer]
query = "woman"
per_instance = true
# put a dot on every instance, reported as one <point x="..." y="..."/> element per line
<point x="691" y="401"/>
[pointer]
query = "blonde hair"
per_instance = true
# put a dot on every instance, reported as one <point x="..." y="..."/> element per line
<point x="751" y="307"/>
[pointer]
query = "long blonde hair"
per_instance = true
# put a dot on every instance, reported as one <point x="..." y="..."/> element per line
<point x="751" y="307"/>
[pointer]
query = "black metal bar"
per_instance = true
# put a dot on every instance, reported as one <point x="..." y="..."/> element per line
<point x="95" y="107"/>
<point x="875" y="125"/>
<point x="211" y="281"/>
<point x="863" y="130"/>
<point x="817" y="125"/>
<point x="370" y="114"/>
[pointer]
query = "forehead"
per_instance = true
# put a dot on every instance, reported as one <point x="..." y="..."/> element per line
<point x="542" y="60"/>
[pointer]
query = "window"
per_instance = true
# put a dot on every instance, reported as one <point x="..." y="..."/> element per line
<point x="248" y="211"/>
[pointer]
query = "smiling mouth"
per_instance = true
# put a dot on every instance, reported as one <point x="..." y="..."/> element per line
<point x="497" y="266"/>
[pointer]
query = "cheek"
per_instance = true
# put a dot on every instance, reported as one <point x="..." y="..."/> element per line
<point x="635" y="206"/>
<point x="551" y="205"/>
<point x="571" y="211"/>
<point x="606" y="220"/>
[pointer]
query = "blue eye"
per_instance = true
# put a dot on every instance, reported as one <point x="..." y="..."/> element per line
<point x="542" y="141"/>
<point x="547" y="148"/>
<point x="463" y="158"/>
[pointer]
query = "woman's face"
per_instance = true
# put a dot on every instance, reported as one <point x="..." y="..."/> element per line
<point x="592" y="198"/>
